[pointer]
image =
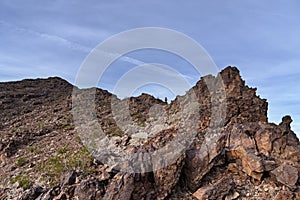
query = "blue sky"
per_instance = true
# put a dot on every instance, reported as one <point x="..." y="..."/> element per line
<point x="52" y="38"/>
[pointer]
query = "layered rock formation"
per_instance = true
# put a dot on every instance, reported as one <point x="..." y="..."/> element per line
<point x="230" y="151"/>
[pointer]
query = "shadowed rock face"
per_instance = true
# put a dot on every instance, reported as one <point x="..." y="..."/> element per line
<point x="241" y="156"/>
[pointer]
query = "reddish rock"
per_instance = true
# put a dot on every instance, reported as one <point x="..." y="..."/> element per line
<point x="229" y="155"/>
<point x="216" y="191"/>
<point x="285" y="194"/>
<point x="286" y="174"/>
<point x="121" y="187"/>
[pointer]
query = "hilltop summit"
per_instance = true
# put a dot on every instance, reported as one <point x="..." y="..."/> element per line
<point x="240" y="156"/>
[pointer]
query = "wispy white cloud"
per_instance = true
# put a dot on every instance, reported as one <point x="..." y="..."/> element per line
<point x="150" y="76"/>
<point x="52" y="38"/>
<point x="261" y="40"/>
<point x="67" y="43"/>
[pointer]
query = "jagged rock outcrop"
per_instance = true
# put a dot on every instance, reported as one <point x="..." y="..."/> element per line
<point x="230" y="151"/>
<point x="216" y="191"/>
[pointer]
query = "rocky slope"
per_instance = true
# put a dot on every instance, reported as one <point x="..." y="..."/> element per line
<point x="235" y="152"/>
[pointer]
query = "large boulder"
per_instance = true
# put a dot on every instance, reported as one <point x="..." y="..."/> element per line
<point x="286" y="174"/>
<point x="216" y="191"/>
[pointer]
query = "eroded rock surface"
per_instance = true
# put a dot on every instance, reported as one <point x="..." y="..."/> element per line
<point x="224" y="148"/>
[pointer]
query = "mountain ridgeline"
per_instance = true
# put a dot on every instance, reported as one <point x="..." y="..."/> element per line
<point x="230" y="151"/>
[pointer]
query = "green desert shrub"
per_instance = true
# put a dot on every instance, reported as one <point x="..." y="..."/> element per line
<point x="24" y="181"/>
<point x="21" y="161"/>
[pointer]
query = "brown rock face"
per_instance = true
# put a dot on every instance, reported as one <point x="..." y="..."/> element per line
<point x="286" y="174"/>
<point x="217" y="190"/>
<point x="121" y="188"/>
<point x="225" y="148"/>
<point x="200" y="162"/>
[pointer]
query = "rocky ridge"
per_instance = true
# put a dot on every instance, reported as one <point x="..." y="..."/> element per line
<point x="240" y="156"/>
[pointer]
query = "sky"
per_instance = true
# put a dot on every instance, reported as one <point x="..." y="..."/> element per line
<point x="54" y="37"/>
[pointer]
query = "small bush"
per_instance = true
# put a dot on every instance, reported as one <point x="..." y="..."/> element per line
<point x="23" y="180"/>
<point x="80" y="160"/>
<point x="142" y="123"/>
<point x="67" y="159"/>
<point x="21" y="161"/>
<point x="63" y="150"/>
<point x="115" y="131"/>
<point x="78" y="139"/>
<point x="35" y="150"/>
<point x="69" y="127"/>
<point x="138" y="116"/>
